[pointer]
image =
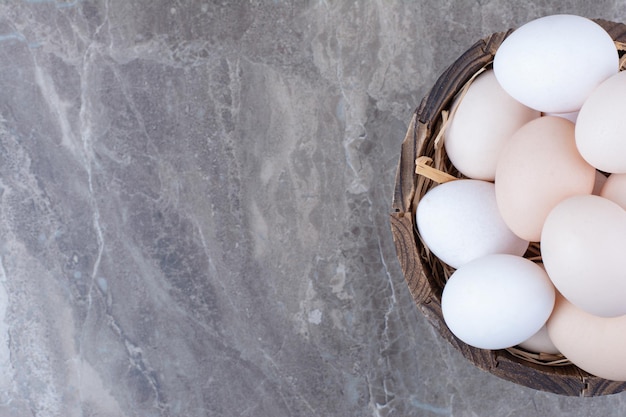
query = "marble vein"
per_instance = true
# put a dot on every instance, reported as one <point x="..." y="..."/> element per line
<point x="194" y="204"/>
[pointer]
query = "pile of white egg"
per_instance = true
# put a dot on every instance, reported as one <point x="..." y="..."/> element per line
<point x="542" y="139"/>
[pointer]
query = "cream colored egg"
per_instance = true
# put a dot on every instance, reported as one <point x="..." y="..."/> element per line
<point x="583" y="247"/>
<point x="539" y="167"/>
<point x="594" y="344"/>
<point x="599" y="184"/>
<point x="540" y="342"/>
<point x="483" y="120"/>
<point x="601" y="126"/>
<point x="614" y="188"/>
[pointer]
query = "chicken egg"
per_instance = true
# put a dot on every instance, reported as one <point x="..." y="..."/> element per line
<point x="497" y="301"/>
<point x="553" y="63"/>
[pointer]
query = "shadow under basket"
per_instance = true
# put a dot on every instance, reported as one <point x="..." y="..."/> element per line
<point x="426" y="275"/>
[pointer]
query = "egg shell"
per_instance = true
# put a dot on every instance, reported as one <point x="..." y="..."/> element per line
<point x="497" y="301"/>
<point x="583" y="247"/>
<point x="553" y="63"/>
<point x="540" y="342"/>
<point x="601" y="180"/>
<point x="614" y="188"/>
<point x="594" y="344"/>
<point x="539" y="167"/>
<point x="459" y="221"/>
<point x="601" y="126"/>
<point x="571" y="116"/>
<point x="482" y="120"/>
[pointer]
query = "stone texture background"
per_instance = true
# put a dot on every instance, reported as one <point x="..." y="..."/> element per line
<point x="194" y="203"/>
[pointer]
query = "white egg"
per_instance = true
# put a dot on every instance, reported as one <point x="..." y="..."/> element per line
<point x="497" y="301"/>
<point x="552" y="64"/>
<point x="459" y="221"/>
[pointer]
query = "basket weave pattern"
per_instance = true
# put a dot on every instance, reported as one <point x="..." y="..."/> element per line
<point x="426" y="275"/>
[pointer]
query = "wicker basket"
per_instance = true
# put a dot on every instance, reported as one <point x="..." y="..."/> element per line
<point x="426" y="275"/>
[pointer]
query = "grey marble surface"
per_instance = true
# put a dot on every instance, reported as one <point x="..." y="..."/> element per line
<point x="194" y="203"/>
